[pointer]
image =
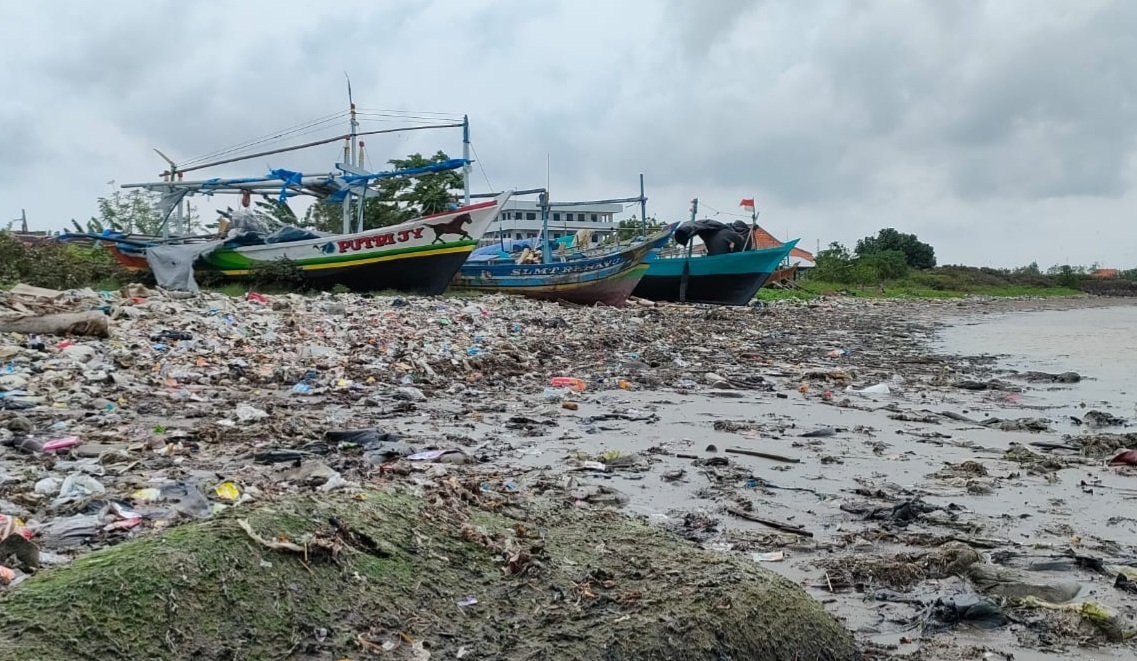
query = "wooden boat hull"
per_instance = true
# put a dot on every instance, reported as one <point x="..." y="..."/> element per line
<point x="606" y="279"/>
<point x="132" y="260"/>
<point x="420" y="256"/>
<point x="729" y="279"/>
<point x="782" y="275"/>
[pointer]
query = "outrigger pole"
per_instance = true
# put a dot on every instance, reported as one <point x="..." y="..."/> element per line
<point x="355" y="179"/>
<point x="316" y="143"/>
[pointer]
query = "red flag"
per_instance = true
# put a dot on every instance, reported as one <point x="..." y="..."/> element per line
<point x="748" y="203"/>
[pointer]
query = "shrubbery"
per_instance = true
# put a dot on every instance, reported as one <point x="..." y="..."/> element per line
<point x="892" y="255"/>
<point x="57" y="265"/>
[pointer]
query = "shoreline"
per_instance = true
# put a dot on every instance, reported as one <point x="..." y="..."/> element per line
<point x="663" y="383"/>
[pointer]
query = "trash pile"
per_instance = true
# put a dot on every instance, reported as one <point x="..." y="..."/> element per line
<point x="778" y="432"/>
<point x="170" y="407"/>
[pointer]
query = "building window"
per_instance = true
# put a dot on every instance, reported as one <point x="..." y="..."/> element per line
<point x="594" y="219"/>
<point x="556" y="216"/>
<point x="530" y="216"/>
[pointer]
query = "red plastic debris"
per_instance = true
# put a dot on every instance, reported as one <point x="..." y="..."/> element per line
<point x="1127" y="458"/>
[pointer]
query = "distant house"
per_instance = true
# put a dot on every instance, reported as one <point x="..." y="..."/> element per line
<point x="798" y="257"/>
<point x="1106" y="274"/>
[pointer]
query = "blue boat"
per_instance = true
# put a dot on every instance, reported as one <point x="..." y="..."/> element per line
<point x="606" y="277"/>
<point x="731" y="273"/>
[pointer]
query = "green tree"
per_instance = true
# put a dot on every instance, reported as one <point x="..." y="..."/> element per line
<point x="862" y="272"/>
<point x="630" y="228"/>
<point x="1029" y="269"/>
<point x="135" y="212"/>
<point x="887" y="264"/>
<point x="918" y="255"/>
<point x="834" y="264"/>
<point x="1066" y="275"/>
<point x="394" y="200"/>
<point x="427" y="193"/>
<point x="276" y="210"/>
<point x="92" y="226"/>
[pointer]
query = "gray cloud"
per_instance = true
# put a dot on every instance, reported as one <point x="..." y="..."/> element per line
<point x="954" y="120"/>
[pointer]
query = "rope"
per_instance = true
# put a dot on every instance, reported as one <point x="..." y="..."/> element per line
<point x="481" y="167"/>
<point x="302" y="129"/>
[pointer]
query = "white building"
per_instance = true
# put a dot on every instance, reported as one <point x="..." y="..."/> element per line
<point x="521" y="219"/>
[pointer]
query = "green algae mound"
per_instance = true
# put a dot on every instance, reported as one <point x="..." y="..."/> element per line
<point x="388" y="575"/>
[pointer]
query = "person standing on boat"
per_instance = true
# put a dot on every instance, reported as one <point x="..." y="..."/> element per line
<point x="452" y="205"/>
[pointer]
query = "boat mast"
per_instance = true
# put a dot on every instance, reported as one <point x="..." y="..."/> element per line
<point x="546" y="251"/>
<point x="466" y="155"/>
<point x="643" y="206"/>
<point x="685" y="278"/>
<point x="174" y="175"/>
<point x="694" y="212"/>
<point x="753" y="227"/>
<point x="349" y="157"/>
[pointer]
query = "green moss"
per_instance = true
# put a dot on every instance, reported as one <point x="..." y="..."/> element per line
<point x="591" y="585"/>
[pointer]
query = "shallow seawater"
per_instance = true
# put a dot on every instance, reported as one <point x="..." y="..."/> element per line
<point x="1098" y="343"/>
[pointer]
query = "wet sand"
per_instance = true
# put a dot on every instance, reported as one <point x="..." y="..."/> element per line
<point x="1001" y="506"/>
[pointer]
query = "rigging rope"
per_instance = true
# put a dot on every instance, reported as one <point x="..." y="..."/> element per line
<point x="478" y="160"/>
<point x="302" y="129"/>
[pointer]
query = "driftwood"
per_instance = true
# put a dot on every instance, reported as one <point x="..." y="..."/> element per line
<point x="776" y="525"/>
<point x="66" y="323"/>
<point x="764" y="455"/>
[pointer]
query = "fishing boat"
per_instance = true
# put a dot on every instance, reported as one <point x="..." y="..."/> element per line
<point x="782" y="276"/>
<point x="579" y="273"/>
<point x="604" y="277"/>
<point x="420" y="255"/>
<point x="730" y="273"/>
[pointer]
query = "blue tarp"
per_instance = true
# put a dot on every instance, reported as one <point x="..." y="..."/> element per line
<point x="503" y="249"/>
<point x="289" y="178"/>
<point x="495" y="251"/>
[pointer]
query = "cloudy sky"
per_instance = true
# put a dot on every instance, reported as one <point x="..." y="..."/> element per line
<point x="1000" y="131"/>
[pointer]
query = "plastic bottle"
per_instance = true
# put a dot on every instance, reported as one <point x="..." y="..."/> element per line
<point x="567" y="382"/>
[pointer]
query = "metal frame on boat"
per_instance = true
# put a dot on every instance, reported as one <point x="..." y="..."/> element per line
<point x="605" y="275"/>
<point x="420" y="255"/>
